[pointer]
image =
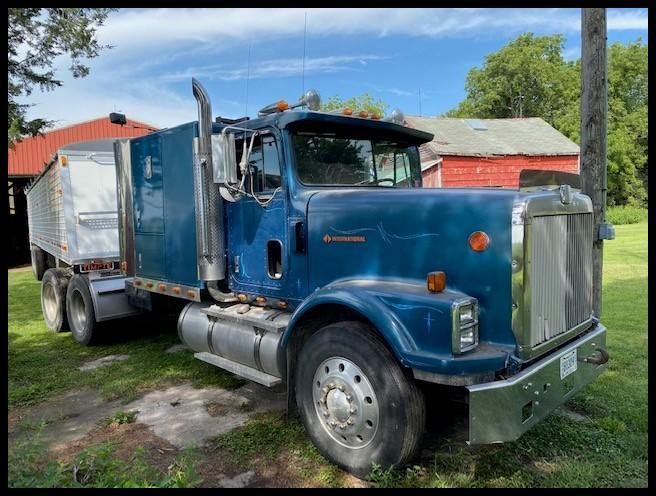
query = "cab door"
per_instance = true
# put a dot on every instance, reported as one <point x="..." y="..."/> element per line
<point x="257" y="227"/>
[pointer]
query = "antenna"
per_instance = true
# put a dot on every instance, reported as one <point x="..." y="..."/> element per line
<point x="303" y="70"/>
<point x="419" y="102"/>
<point x="248" y="76"/>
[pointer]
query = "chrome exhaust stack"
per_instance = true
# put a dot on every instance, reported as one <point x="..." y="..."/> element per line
<point x="209" y="206"/>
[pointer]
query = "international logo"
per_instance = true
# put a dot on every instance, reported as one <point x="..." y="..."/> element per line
<point x="343" y="239"/>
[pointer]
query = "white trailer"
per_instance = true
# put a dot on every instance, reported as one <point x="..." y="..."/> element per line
<point x="73" y="226"/>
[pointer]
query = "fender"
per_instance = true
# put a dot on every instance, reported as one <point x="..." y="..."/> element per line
<point x="416" y="324"/>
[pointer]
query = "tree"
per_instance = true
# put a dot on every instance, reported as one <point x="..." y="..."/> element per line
<point x="527" y="77"/>
<point x="362" y="102"/>
<point x="533" y="67"/>
<point x="35" y="38"/>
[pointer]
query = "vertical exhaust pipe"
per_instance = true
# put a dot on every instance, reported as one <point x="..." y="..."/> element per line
<point x="209" y="206"/>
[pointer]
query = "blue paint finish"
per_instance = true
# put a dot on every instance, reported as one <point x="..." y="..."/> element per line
<point x="165" y="232"/>
<point x="412" y="232"/>
<point x="398" y="309"/>
<point x="407" y="234"/>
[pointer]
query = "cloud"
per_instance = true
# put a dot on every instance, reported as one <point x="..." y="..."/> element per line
<point x="133" y="30"/>
<point x="275" y="68"/>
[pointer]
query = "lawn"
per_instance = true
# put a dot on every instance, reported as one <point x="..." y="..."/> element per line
<point x="602" y="443"/>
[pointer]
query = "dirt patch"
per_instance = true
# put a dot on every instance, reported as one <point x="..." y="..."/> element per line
<point x="128" y="437"/>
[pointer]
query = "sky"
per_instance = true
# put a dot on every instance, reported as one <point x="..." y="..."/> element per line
<point x="413" y="59"/>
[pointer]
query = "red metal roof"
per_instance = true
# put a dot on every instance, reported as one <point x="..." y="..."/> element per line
<point x="30" y="156"/>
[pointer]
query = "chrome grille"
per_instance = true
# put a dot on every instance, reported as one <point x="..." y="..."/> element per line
<point x="560" y="274"/>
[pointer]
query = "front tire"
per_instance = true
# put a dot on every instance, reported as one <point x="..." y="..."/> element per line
<point x="53" y="299"/>
<point x="81" y="315"/>
<point x="356" y="403"/>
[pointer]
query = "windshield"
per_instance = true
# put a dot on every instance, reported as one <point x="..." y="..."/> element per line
<point x="342" y="161"/>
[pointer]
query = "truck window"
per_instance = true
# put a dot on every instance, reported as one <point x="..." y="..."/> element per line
<point x="264" y="164"/>
<point x="336" y="161"/>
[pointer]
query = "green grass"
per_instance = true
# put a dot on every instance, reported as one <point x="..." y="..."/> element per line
<point x="43" y="364"/>
<point x="626" y="215"/>
<point x="608" y="448"/>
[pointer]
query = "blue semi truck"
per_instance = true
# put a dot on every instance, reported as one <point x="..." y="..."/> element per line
<point x="310" y="255"/>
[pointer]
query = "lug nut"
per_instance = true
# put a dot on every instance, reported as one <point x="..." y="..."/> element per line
<point x="349" y="422"/>
<point x="340" y="387"/>
<point x="342" y="426"/>
<point x="326" y="413"/>
<point x="352" y="410"/>
<point x="325" y="390"/>
<point x="349" y="397"/>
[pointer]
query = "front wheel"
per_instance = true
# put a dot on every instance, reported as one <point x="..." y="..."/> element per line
<point x="356" y="403"/>
<point x="81" y="315"/>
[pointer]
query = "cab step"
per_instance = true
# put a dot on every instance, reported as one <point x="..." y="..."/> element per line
<point x="239" y="369"/>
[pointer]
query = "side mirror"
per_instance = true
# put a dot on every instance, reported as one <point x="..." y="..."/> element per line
<point x="224" y="158"/>
<point x="116" y="118"/>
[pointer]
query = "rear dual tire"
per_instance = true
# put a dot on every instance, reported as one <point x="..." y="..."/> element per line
<point x="79" y="308"/>
<point x="54" y="285"/>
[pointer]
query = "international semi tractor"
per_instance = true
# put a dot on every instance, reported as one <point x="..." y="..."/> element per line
<point x="309" y="255"/>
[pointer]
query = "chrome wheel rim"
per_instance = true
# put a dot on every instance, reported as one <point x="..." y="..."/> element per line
<point x="78" y="311"/>
<point x="49" y="302"/>
<point x="345" y="402"/>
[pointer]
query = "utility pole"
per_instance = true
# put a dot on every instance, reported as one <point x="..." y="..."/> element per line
<point x="594" y="127"/>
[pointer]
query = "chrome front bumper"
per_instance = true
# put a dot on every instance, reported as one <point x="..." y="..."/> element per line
<point x="502" y="411"/>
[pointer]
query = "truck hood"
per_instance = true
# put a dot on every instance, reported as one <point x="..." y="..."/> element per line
<point x="406" y="233"/>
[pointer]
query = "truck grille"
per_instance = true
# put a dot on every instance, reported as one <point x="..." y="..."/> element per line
<point x="560" y="274"/>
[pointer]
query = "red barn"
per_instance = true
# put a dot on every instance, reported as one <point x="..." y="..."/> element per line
<point x="490" y="152"/>
<point x="28" y="158"/>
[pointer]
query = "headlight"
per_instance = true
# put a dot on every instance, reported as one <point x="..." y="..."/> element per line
<point x="465" y="325"/>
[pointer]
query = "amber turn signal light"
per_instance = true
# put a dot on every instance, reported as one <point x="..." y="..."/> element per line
<point x="282" y="105"/>
<point x="479" y="241"/>
<point x="436" y="281"/>
<point x="347" y="111"/>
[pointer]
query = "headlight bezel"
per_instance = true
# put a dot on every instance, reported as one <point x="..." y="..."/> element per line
<point x="464" y="316"/>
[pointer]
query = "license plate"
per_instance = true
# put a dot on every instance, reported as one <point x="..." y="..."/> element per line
<point x="88" y="267"/>
<point x="568" y="364"/>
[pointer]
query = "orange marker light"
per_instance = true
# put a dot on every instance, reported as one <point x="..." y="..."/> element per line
<point x="261" y="300"/>
<point x="375" y="117"/>
<point x="347" y="111"/>
<point x="162" y="287"/>
<point x="282" y="105"/>
<point x="191" y="294"/>
<point x="364" y="114"/>
<point x="282" y="304"/>
<point x="479" y="241"/>
<point x="175" y="291"/>
<point x="63" y="159"/>
<point x="137" y="282"/>
<point x="436" y="281"/>
<point x="149" y="285"/>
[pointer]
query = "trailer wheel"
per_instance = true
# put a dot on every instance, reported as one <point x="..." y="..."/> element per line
<point x="38" y="262"/>
<point x="53" y="299"/>
<point x="356" y="403"/>
<point x="81" y="315"/>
